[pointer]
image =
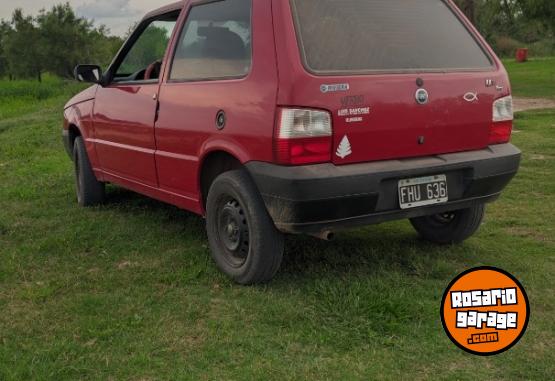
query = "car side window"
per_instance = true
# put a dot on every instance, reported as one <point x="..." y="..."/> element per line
<point x="215" y="42"/>
<point x="144" y="60"/>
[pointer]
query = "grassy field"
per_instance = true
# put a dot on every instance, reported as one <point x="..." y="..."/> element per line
<point x="127" y="291"/>
<point x="533" y="79"/>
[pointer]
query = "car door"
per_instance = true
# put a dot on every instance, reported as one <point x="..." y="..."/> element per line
<point x="213" y="73"/>
<point x="125" y="109"/>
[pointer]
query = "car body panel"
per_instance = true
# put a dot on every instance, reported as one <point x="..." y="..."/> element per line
<point x="124" y="116"/>
<point x="154" y="137"/>
<point x="86" y="95"/>
<point x="379" y="114"/>
<point x="124" y="131"/>
<point x="78" y="114"/>
<point x="175" y="6"/>
<point x="186" y="129"/>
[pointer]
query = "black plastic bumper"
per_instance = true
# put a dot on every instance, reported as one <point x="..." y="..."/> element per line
<point x="318" y="198"/>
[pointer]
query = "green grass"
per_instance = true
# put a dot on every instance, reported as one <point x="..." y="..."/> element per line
<point x="127" y="291"/>
<point x="532" y="79"/>
<point x="20" y="97"/>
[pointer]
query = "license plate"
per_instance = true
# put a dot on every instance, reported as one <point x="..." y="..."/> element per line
<point x="423" y="191"/>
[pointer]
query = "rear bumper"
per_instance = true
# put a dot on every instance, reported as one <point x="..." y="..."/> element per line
<point x="318" y="198"/>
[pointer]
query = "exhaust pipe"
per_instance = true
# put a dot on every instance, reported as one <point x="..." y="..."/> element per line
<point x="325" y="235"/>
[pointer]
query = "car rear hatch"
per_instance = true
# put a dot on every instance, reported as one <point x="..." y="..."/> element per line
<point x="384" y="120"/>
<point x="401" y="79"/>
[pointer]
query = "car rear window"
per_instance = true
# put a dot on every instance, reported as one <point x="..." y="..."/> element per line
<point x="384" y="35"/>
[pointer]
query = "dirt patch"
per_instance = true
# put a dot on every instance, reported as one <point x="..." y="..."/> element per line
<point x="524" y="232"/>
<point x="525" y="104"/>
<point x="126" y="264"/>
<point x="538" y="157"/>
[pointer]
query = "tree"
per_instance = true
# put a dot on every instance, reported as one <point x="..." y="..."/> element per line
<point x="105" y="46"/>
<point x="54" y="41"/>
<point x="510" y="24"/>
<point x="541" y="10"/>
<point x="4" y="30"/>
<point x="23" y="47"/>
<point x="70" y="40"/>
<point x="149" y="47"/>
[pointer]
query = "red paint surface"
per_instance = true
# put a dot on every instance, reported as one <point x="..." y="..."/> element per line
<point x="395" y="123"/>
<point x="163" y="158"/>
<point x="124" y="131"/>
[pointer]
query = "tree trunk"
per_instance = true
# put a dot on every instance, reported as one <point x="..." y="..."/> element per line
<point x="39" y="76"/>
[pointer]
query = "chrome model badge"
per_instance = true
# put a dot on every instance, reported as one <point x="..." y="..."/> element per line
<point x="334" y="88"/>
<point x="471" y="97"/>
<point x="422" y="96"/>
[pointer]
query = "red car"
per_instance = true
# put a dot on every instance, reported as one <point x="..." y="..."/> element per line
<point x="270" y="117"/>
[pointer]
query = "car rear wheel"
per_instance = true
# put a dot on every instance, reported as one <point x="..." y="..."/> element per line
<point x="244" y="241"/>
<point x="89" y="190"/>
<point x="450" y="227"/>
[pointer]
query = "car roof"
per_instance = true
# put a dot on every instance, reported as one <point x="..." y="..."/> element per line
<point x="165" y="9"/>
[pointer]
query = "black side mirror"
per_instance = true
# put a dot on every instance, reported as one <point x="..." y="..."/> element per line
<point x="88" y="73"/>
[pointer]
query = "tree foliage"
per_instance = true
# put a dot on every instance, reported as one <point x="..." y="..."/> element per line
<point x="508" y="24"/>
<point x="540" y="10"/>
<point x="149" y="47"/>
<point x="23" y="47"/>
<point x="57" y="39"/>
<point x="4" y="29"/>
<point x="54" y="41"/>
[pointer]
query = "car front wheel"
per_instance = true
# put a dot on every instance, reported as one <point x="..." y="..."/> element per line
<point x="450" y="227"/>
<point x="89" y="190"/>
<point x="244" y="241"/>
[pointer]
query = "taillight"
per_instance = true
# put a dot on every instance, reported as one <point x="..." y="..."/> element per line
<point x="502" y="126"/>
<point x="303" y="137"/>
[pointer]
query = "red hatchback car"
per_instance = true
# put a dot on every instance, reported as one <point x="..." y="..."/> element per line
<point x="299" y="116"/>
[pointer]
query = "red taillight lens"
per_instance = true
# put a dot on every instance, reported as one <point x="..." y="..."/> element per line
<point x="303" y="137"/>
<point x="303" y="151"/>
<point x="500" y="132"/>
<point x="502" y="126"/>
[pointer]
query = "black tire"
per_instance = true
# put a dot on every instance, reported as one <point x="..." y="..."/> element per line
<point x="451" y="227"/>
<point x="244" y="241"/>
<point x="89" y="190"/>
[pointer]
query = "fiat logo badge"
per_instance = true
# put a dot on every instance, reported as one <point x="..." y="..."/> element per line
<point x="422" y="96"/>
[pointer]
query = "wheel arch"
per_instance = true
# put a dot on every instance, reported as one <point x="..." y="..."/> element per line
<point x="72" y="127"/>
<point x="212" y="164"/>
<point x="73" y="133"/>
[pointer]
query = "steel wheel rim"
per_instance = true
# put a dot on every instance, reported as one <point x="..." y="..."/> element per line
<point x="233" y="232"/>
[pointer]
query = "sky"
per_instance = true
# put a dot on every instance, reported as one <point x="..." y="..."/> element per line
<point x="117" y="15"/>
